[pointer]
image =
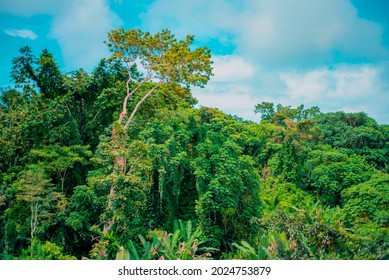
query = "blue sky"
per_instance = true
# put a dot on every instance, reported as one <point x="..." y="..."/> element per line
<point x="328" y="53"/>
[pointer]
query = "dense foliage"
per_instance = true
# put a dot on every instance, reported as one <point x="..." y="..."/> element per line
<point x="81" y="179"/>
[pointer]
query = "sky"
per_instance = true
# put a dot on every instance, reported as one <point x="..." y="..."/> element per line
<point x="328" y="53"/>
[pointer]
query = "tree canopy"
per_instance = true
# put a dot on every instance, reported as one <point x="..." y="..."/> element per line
<point x="118" y="163"/>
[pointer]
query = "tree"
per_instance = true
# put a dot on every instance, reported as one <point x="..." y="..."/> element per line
<point x="227" y="181"/>
<point x="329" y="171"/>
<point x="292" y="133"/>
<point x="43" y="73"/>
<point x="59" y="159"/>
<point x="282" y="114"/>
<point x="167" y="62"/>
<point x="34" y="188"/>
<point x="92" y="98"/>
<point x="164" y="59"/>
<point x="358" y="133"/>
<point x="11" y="146"/>
<point x="368" y="201"/>
<point x="44" y="251"/>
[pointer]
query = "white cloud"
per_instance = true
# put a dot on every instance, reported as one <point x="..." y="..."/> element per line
<point x="347" y="87"/>
<point x="23" y="33"/>
<point x="233" y="100"/>
<point x="229" y="89"/>
<point x="275" y="33"/>
<point x="80" y="26"/>
<point x="81" y="29"/>
<point x="344" y="82"/>
<point x="285" y="45"/>
<point x="284" y="33"/>
<point x="231" y="68"/>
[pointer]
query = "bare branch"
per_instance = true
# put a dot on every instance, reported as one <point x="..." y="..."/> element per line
<point x="140" y="102"/>
<point x="129" y="94"/>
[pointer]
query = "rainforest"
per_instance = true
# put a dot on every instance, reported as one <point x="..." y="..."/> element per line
<point x="120" y="163"/>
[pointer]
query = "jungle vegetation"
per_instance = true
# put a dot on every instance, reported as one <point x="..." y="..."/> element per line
<point x="120" y="163"/>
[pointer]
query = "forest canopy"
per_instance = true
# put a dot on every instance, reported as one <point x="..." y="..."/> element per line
<point x="119" y="163"/>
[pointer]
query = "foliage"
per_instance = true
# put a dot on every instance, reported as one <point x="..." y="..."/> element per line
<point x="370" y="242"/>
<point x="44" y="251"/>
<point x="277" y="194"/>
<point x="313" y="233"/>
<point x="293" y="133"/>
<point x="34" y="189"/>
<point x="129" y="200"/>
<point x="59" y="159"/>
<point x="281" y="114"/>
<point x="226" y="180"/>
<point x="358" y="133"/>
<point x="183" y="244"/>
<point x="273" y="246"/>
<point x="368" y="201"/>
<point x="331" y="171"/>
<point x="108" y="163"/>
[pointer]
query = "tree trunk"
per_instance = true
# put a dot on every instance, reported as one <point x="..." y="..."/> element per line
<point x="120" y="162"/>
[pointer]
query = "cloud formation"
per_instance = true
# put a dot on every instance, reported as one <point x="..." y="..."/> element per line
<point x="81" y="29"/>
<point x="344" y="82"/>
<point x="230" y="89"/>
<point x="346" y="87"/>
<point x="306" y="33"/>
<point x="80" y="26"/>
<point x="231" y="68"/>
<point x="290" y="52"/>
<point x="275" y="33"/>
<point x="22" y="33"/>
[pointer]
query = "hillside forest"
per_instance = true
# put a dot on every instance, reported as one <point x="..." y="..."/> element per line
<point x="120" y="163"/>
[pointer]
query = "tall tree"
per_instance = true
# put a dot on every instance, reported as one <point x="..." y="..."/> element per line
<point x="34" y="188"/>
<point x="60" y="159"/>
<point x="30" y="73"/>
<point x="167" y="63"/>
<point x="164" y="60"/>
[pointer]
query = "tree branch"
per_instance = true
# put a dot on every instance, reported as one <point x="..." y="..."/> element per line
<point x="140" y="102"/>
<point x="129" y="94"/>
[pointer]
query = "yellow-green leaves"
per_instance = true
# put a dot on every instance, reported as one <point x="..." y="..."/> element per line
<point x="163" y="60"/>
<point x="161" y="55"/>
